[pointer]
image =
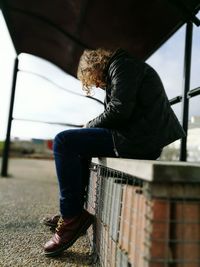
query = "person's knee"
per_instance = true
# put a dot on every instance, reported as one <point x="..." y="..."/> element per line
<point x="58" y="142"/>
<point x="62" y="140"/>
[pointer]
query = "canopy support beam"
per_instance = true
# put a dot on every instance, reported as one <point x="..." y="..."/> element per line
<point x="185" y="100"/>
<point x="4" y="170"/>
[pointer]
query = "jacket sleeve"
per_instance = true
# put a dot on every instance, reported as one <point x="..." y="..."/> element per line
<point x="125" y="78"/>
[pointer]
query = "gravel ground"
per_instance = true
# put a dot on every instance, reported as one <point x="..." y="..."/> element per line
<point x="25" y="198"/>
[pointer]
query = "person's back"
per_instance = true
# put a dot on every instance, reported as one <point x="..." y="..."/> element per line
<point x="161" y="122"/>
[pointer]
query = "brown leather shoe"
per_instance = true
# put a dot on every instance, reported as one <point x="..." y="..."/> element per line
<point x="67" y="232"/>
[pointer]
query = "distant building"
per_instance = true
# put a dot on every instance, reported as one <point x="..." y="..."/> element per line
<point x="195" y="122"/>
<point x="172" y="151"/>
<point x="32" y="148"/>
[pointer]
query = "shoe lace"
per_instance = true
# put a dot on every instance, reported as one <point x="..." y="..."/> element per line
<point x="59" y="224"/>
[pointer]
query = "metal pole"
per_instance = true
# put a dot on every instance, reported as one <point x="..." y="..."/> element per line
<point x="4" y="170"/>
<point x="185" y="100"/>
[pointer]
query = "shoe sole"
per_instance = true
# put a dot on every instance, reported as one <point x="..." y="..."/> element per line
<point x="69" y="244"/>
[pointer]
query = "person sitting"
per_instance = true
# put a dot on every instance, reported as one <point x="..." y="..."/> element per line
<point x="137" y="123"/>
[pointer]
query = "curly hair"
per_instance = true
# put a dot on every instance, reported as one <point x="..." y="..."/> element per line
<point x="91" y="69"/>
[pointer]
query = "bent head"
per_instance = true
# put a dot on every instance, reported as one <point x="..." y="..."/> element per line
<point x="91" y="69"/>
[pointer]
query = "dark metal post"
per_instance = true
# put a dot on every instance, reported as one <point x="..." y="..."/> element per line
<point x="4" y="170"/>
<point x="185" y="100"/>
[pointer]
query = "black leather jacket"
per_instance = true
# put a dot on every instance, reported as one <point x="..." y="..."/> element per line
<point x="137" y="109"/>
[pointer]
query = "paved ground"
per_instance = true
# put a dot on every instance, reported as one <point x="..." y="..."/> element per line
<point x="24" y="199"/>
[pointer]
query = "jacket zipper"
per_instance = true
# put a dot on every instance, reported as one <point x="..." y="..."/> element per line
<point x="115" y="149"/>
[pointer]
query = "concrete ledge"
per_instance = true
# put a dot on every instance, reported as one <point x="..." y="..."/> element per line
<point x="154" y="171"/>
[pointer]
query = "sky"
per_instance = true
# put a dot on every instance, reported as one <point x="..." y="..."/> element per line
<point x="45" y="93"/>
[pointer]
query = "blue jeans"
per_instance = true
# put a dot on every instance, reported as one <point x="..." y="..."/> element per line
<point x="73" y="150"/>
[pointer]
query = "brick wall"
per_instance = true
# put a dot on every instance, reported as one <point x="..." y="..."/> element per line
<point x="135" y="227"/>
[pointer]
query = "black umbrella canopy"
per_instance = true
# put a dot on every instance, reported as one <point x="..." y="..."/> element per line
<point x="60" y="30"/>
